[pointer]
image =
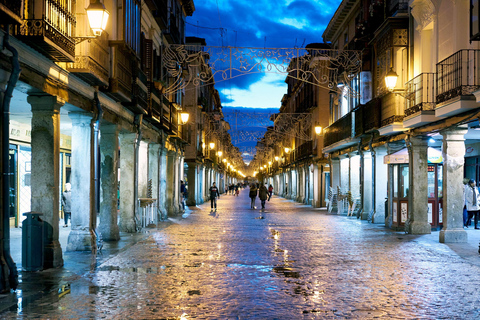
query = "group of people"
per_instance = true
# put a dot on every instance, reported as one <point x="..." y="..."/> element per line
<point x="234" y="189"/>
<point x="263" y="193"/>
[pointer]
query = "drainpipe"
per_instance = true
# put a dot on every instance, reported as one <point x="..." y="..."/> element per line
<point x="374" y="175"/>
<point x="9" y="274"/>
<point x="138" y="125"/>
<point x="95" y="171"/>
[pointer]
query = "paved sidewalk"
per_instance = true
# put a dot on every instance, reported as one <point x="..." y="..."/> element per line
<point x="287" y="262"/>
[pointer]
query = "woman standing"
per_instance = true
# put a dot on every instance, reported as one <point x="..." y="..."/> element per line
<point x="472" y="200"/>
<point x="252" y="195"/>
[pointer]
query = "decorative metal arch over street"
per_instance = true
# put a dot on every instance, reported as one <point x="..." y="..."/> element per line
<point x="200" y="65"/>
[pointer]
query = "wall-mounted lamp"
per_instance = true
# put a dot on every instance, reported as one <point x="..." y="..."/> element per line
<point x="318" y="129"/>
<point x="287" y="150"/>
<point x="184" y="117"/>
<point x="224" y="160"/>
<point x="220" y="153"/>
<point x="269" y="163"/>
<point x="97" y="18"/>
<point x="276" y="158"/>
<point x="212" y="145"/>
<point x="391" y="79"/>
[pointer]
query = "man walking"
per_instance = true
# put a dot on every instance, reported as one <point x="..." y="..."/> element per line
<point x="213" y="196"/>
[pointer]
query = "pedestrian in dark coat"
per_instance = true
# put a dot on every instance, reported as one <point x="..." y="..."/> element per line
<point x="263" y="195"/>
<point x="252" y="195"/>
<point x="67" y="203"/>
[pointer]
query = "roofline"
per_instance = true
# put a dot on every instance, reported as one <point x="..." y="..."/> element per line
<point x="329" y="30"/>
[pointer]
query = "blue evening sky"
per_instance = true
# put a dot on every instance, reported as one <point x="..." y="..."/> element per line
<point x="259" y="24"/>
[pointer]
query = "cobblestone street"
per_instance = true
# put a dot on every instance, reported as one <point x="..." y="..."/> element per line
<point x="288" y="262"/>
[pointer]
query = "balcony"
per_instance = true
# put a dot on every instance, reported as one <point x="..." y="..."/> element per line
<point x="339" y="135"/>
<point x="458" y="77"/>
<point x="11" y="11"/>
<point x="420" y="100"/>
<point x="92" y="61"/>
<point x="154" y="113"/>
<point x="161" y="14"/>
<point x="120" y="87"/>
<point x="172" y="32"/>
<point x="304" y="151"/>
<point x="49" y="29"/>
<point x="140" y="96"/>
<point x="169" y="120"/>
<point x="367" y="117"/>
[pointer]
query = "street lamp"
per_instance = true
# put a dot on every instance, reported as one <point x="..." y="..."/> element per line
<point x="224" y="160"/>
<point x="276" y="158"/>
<point x="184" y="117"/>
<point x="287" y="150"/>
<point x="97" y="16"/>
<point x="318" y="129"/>
<point x="269" y="163"/>
<point x="212" y="145"/>
<point x="391" y="79"/>
<point x="220" y="153"/>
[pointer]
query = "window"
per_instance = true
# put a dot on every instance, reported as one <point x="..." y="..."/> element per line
<point x="132" y="24"/>
<point x="474" y="25"/>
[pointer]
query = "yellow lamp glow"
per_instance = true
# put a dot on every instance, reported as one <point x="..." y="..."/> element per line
<point x="224" y="160"/>
<point x="318" y="130"/>
<point x="391" y="79"/>
<point x="287" y="150"/>
<point x="212" y="145"/>
<point x="184" y="117"/>
<point x="97" y="17"/>
<point x="269" y="163"/>
<point x="220" y="153"/>
<point x="276" y="158"/>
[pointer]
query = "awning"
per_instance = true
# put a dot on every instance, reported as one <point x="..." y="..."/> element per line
<point x="401" y="156"/>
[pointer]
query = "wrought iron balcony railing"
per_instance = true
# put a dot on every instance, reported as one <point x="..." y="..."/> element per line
<point x="368" y="116"/>
<point x="338" y="131"/>
<point x="49" y="27"/>
<point x="458" y="75"/>
<point x="420" y="94"/>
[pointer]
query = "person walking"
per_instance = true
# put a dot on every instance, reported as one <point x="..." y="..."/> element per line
<point x="67" y="203"/>
<point x="252" y="195"/>
<point x="213" y="196"/>
<point x="270" y="192"/>
<point x="183" y="193"/>
<point x="465" y="212"/>
<point x="263" y="195"/>
<point x="472" y="199"/>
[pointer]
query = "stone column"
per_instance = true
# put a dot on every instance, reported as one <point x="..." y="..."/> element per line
<point x="381" y="184"/>
<point x="335" y="173"/>
<point x="417" y="195"/>
<point x="162" y="190"/>
<point x="108" y="226"/>
<point x="367" y="185"/>
<point x="80" y="237"/>
<point x="170" y="193"/>
<point x="45" y="178"/>
<point x="143" y="169"/>
<point x="192" y="183"/>
<point x="127" y="182"/>
<point x="453" y="161"/>
<point x="154" y="167"/>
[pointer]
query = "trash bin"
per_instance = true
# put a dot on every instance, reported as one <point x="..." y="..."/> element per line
<point x="32" y="242"/>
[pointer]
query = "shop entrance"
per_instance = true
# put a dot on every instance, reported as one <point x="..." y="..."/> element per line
<point x="401" y="184"/>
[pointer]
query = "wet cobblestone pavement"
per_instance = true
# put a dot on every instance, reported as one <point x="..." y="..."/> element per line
<point x="289" y="262"/>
